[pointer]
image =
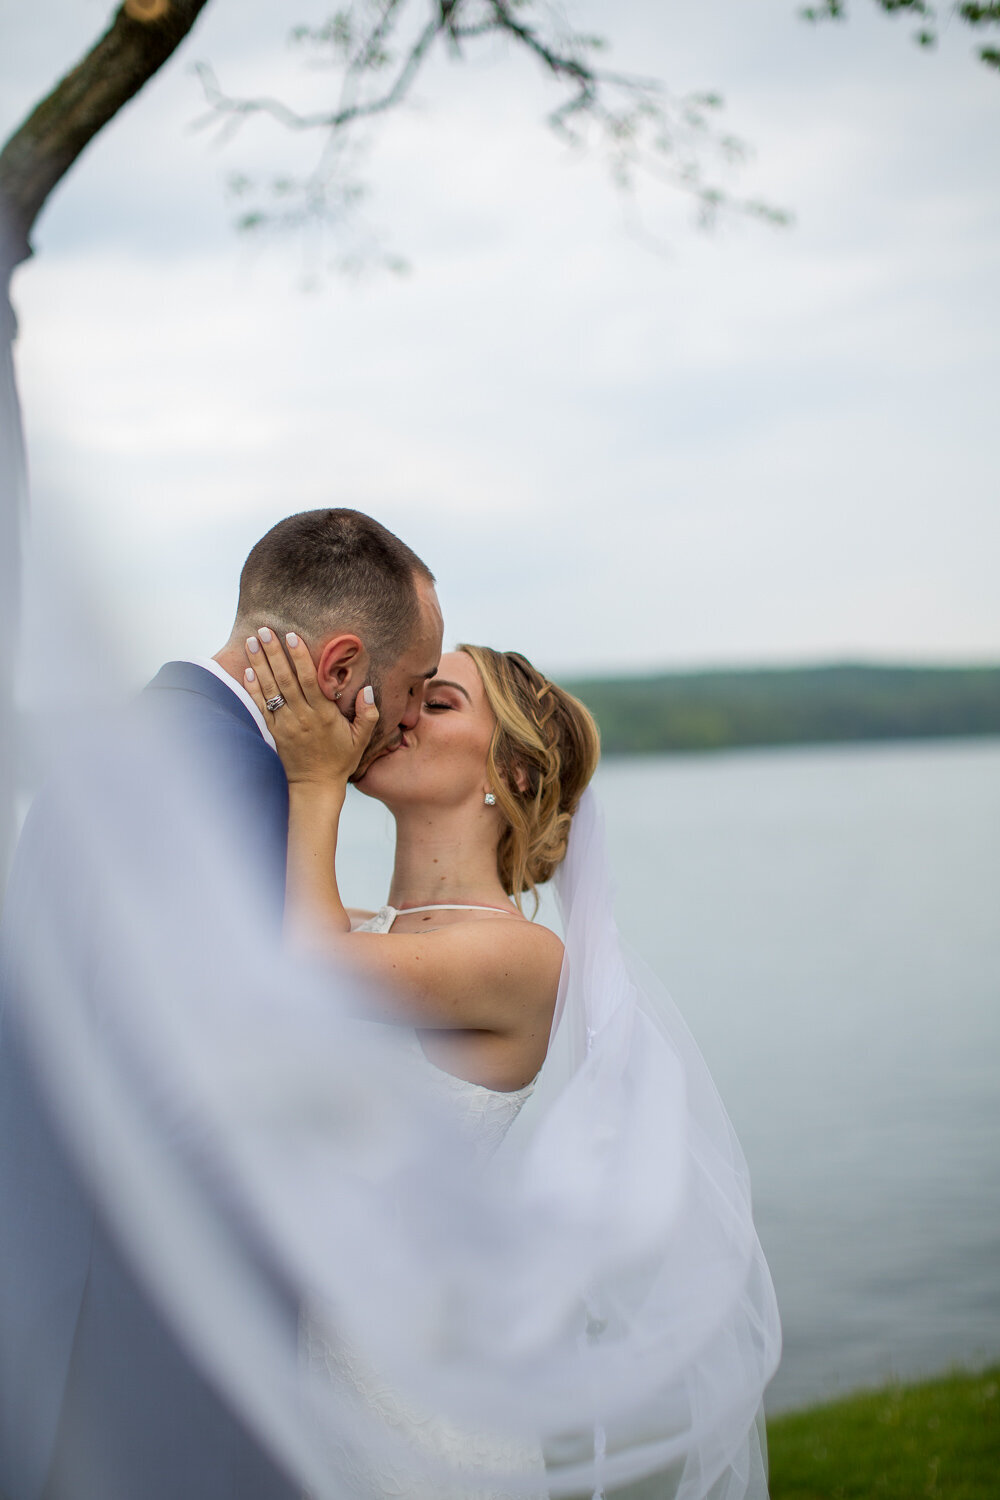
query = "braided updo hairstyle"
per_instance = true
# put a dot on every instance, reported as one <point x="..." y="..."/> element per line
<point x="544" y="750"/>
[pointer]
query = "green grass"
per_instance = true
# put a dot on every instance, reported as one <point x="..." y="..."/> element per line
<point x="939" y="1440"/>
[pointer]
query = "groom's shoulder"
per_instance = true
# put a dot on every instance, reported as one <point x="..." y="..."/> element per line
<point x="189" y="700"/>
<point x="198" y="725"/>
<point x="186" y="686"/>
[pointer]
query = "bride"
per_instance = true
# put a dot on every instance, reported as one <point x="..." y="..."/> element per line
<point x="483" y="790"/>
<point x="679" y="1331"/>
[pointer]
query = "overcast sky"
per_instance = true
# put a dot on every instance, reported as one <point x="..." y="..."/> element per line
<point x="756" y="446"/>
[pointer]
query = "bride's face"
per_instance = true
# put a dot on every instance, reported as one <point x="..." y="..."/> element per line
<point x="441" y="761"/>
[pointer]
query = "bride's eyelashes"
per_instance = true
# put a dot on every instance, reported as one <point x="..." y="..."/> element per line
<point x="437" y="704"/>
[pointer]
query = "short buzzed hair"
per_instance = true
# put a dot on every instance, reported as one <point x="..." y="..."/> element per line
<point x="329" y="570"/>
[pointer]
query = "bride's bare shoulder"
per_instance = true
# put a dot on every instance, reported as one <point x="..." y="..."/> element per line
<point x="511" y="946"/>
<point x="544" y="937"/>
<point x="537" y="943"/>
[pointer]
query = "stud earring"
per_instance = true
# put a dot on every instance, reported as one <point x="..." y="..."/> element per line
<point x="337" y="694"/>
<point x="490" y="800"/>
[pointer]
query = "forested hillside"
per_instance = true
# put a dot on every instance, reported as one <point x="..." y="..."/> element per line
<point x="790" y="706"/>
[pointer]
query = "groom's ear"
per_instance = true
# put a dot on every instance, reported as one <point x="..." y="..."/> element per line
<point x="342" y="668"/>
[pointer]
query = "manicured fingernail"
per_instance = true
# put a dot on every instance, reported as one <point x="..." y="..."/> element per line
<point x="250" y="675"/>
<point x="264" y="634"/>
<point x="292" y="639"/>
<point x="253" y="645"/>
<point x="368" y="694"/>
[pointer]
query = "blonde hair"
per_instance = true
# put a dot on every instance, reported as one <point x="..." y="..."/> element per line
<point x="544" y="750"/>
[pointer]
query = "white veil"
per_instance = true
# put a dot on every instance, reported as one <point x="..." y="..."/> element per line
<point x="597" y="1289"/>
<point x="681" y="1324"/>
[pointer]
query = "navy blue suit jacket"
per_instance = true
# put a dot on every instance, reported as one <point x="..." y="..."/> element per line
<point x="98" y="1400"/>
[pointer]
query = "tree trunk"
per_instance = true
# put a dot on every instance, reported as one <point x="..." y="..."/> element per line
<point x="140" y="39"/>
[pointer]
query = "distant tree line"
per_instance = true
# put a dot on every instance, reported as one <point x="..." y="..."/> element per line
<point x="677" y="711"/>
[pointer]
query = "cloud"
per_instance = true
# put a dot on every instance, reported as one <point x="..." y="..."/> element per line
<point x="763" y="446"/>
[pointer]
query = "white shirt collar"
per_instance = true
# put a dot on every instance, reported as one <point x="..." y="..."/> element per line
<point x="239" y="690"/>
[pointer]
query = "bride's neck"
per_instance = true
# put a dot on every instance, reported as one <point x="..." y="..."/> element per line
<point x="446" y="861"/>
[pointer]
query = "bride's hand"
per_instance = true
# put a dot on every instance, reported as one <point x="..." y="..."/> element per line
<point x="314" y="739"/>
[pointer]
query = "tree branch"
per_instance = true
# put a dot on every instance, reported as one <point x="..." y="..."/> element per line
<point x="142" y="35"/>
<point x="927" y="34"/>
<point x="337" y="119"/>
<point x="632" y="118"/>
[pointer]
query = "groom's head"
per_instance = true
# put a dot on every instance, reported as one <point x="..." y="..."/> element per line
<point x="362" y="601"/>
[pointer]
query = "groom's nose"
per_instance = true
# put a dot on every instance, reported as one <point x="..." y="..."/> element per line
<point x="411" y="711"/>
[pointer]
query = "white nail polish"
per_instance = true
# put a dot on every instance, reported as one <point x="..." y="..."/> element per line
<point x="264" y="634"/>
<point x="292" y="639"/>
<point x="253" y="645"/>
<point x="368" y="694"/>
<point x="250" y="675"/>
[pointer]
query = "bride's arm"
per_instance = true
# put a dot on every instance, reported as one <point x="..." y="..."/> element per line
<point x="313" y="903"/>
<point x="495" y="975"/>
<point x="319" y="748"/>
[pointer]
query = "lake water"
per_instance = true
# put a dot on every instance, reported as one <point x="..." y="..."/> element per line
<point x="828" y="921"/>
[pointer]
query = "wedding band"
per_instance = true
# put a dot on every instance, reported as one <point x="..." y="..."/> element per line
<point x="273" y="704"/>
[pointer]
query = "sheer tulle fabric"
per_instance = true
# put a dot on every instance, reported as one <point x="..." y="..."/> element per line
<point x="595" y="1293"/>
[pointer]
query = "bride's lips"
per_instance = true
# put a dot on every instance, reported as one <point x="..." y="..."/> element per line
<point x="400" y="744"/>
<point x="380" y="754"/>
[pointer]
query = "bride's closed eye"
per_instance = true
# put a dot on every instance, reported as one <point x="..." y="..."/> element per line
<point x="433" y="703"/>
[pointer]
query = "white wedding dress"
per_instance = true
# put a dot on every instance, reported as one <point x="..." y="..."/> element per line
<point x="484" y="1115"/>
<point x="466" y="1458"/>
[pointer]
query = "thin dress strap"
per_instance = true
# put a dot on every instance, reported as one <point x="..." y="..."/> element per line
<point x="383" y="919"/>
<point x="449" y="906"/>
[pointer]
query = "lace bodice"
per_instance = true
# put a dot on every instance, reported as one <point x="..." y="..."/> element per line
<point x="484" y="1115"/>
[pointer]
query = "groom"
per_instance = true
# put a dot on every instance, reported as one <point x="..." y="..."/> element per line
<point x="366" y="607"/>
<point x="98" y="1399"/>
